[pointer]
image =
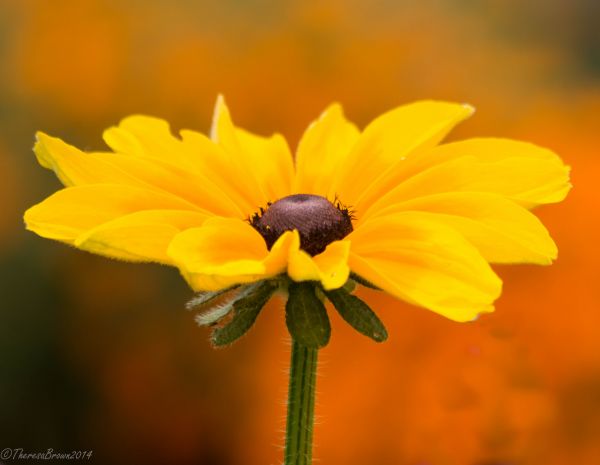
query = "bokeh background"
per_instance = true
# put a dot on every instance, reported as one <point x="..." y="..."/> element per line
<point x="99" y="355"/>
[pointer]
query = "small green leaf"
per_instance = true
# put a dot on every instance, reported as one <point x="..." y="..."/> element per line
<point x="358" y="314"/>
<point x="216" y="313"/>
<point x="363" y="282"/>
<point x="245" y="312"/>
<point x="305" y="316"/>
<point x="203" y="298"/>
<point x="349" y="286"/>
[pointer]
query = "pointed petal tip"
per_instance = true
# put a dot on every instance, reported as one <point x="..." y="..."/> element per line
<point x="470" y="108"/>
<point x="40" y="148"/>
<point x="137" y="118"/>
<point x="462" y="106"/>
<point x="40" y="135"/>
<point x="474" y="317"/>
<point x="333" y="108"/>
<point x="219" y="111"/>
<point x="27" y="218"/>
<point x="43" y="138"/>
<point x="550" y="257"/>
<point x="220" y="105"/>
<point x="35" y="227"/>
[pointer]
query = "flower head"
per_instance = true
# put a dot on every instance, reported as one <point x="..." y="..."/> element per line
<point x="390" y="205"/>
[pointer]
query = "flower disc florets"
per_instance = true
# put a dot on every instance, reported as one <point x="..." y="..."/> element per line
<point x="318" y="221"/>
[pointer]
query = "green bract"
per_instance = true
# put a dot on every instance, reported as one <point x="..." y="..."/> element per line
<point x="233" y="311"/>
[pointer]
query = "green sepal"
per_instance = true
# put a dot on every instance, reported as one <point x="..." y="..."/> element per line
<point x="363" y="282"/>
<point x="217" y="312"/>
<point x="305" y="315"/>
<point x="358" y="314"/>
<point x="245" y="312"/>
<point x="349" y="286"/>
<point x="214" y="314"/>
<point x="204" y="298"/>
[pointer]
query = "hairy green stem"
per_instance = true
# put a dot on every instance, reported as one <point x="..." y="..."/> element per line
<point x="301" y="405"/>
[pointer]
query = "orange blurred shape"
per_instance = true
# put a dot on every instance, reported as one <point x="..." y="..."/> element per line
<point x="70" y="53"/>
<point x="11" y="192"/>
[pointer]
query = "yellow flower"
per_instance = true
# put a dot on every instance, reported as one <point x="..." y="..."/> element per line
<point x="420" y="220"/>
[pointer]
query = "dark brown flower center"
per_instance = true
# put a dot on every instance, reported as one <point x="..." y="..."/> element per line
<point x="318" y="221"/>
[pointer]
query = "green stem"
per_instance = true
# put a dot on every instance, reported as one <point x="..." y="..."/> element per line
<point x="301" y="405"/>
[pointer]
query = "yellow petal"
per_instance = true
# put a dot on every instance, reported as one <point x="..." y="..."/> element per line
<point x="502" y="231"/>
<point x="270" y="160"/>
<point x="72" y="211"/>
<point x="488" y="149"/>
<point x="527" y="181"/>
<point x="226" y="251"/>
<point x="150" y="138"/>
<point x="397" y="133"/>
<point x="330" y="267"/>
<point x="74" y="167"/>
<point x="424" y="263"/>
<point x="536" y="163"/>
<point x="266" y="163"/>
<point x="322" y="151"/>
<point x="139" y="237"/>
<point x="215" y="164"/>
<point x="545" y="176"/>
<point x="147" y="136"/>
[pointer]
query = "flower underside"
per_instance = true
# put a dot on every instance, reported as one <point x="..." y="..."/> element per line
<point x="232" y="312"/>
<point x="318" y="221"/>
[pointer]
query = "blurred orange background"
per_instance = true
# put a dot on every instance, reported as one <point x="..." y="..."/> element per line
<point x="100" y="355"/>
